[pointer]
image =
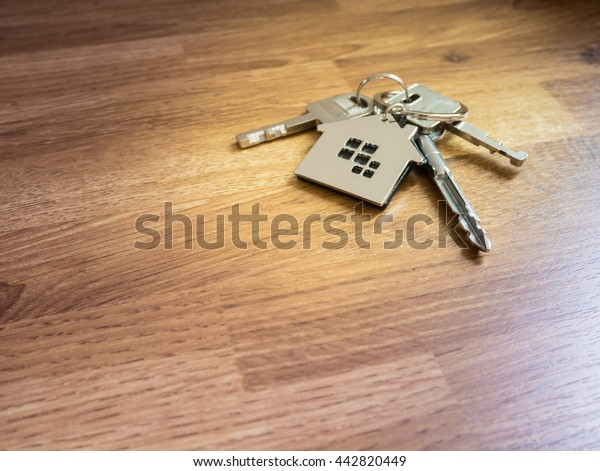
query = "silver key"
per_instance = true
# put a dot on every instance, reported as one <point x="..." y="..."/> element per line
<point x="424" y="99"/>
<point x="433" y="101"/>
<point x="335" y="108"/>
<point x="480" y="138"/>
<point x="367" y="157"/>
<point x="442" y="176"/>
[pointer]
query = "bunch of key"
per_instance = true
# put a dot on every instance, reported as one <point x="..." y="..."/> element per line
<point x="369" y="145"/>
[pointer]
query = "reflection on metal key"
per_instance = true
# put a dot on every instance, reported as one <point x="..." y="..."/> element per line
<point x="329" y="110"/>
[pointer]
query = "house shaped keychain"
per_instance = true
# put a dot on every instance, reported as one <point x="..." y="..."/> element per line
<point x="365" y="157"/>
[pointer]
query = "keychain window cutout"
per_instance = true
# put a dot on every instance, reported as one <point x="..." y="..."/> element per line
<point x="362" y="159"/>
<point x="369" y="148"/>
<point x="354" y="143"/>
<point x="346" y="154"/>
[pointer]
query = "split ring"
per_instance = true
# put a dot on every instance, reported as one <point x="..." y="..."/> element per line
<point x="393" y="77"/>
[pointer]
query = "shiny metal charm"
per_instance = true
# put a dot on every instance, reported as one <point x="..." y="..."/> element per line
<point x="366" y="158"/>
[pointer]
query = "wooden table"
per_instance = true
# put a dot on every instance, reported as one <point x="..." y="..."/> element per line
<point x="114" y="111"/>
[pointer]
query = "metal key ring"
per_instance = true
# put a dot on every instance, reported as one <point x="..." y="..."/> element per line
<point x="393" y="77"/>
<point x="459" y="115"/>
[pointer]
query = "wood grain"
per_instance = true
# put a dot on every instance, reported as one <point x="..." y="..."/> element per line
<point x="110" y="109"/>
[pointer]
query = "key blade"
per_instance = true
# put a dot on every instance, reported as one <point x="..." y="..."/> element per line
<point x="329" y="110"/>
<point x="480" y="138"/>
<point x="467" y="217"/>
<point x="273" y="131"/>
<point x="442" y="176"/>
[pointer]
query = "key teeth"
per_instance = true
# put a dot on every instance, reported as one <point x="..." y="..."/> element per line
<point x="250" y="139"/>
<point x="275" y="132"/>
<point x="480" y="240"/>
<point x="519" y="159"/>
<point x="482" y="244"/>
<point x="262" y="135"/>
<point x="478" y="237"/>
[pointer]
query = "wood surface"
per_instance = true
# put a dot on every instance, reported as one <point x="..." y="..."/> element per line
<point x="110" y="109"/>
